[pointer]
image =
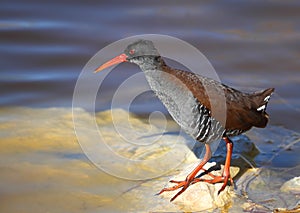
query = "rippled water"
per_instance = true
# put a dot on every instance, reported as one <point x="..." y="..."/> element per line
<point x="45" y="45"/>
<point x="252" y="45"/>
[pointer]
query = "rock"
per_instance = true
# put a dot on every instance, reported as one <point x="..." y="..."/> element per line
<point x="43" y="168"/>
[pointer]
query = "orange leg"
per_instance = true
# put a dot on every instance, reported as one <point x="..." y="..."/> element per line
<point x="226" y="173"/>
<point x="190" y="178"/>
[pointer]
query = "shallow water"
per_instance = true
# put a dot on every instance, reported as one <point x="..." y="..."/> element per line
<point x="44" y="46"/>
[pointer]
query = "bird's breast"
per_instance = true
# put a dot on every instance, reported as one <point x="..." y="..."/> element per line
<point x="193" y="117"/>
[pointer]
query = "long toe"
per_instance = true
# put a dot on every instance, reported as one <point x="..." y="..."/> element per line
<point x="179" y="184"/>
<point x="172" y="188"/>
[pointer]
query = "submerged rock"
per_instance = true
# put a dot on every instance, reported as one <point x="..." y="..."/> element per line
<point x="292" y="185"/>
<point x="266" y="187"/>
<point x="278" y="162"/>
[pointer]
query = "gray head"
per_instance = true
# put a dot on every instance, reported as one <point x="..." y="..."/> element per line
<point x="140" y="48"/>
<point x="138" y="52"/>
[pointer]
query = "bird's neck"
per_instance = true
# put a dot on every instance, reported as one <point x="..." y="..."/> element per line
<point x="151" y="63"/>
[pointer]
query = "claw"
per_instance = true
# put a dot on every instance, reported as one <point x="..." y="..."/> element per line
<point x="181" y="191"/>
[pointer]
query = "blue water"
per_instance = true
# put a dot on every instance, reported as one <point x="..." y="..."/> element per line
<point x="44" y="46"/>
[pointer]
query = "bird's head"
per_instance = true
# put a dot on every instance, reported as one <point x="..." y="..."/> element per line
<point x="136" y="53"/>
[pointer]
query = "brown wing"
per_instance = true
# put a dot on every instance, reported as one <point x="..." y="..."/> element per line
<point x="233" y="109"/>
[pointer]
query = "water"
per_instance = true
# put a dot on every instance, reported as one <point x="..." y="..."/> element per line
<point x="44" y="46"/>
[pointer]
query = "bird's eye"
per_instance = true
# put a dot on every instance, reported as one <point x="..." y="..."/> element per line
<point x="131" y="52"/>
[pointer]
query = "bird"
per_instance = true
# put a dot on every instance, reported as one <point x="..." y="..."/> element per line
<point x="204" y="108"/>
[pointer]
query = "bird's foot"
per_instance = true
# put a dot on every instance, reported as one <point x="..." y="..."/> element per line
<point x="180" y="184"/>
<point x="186" y="183"/>
<point x="215" y="179"/>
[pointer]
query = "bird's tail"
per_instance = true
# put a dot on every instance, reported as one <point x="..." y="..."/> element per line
<point x="260" y="99"/>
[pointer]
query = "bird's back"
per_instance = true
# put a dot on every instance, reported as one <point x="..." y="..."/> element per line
<point x="239" y="110"/>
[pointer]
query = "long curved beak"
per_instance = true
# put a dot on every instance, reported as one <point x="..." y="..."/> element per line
<point x="119" y="59"/>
